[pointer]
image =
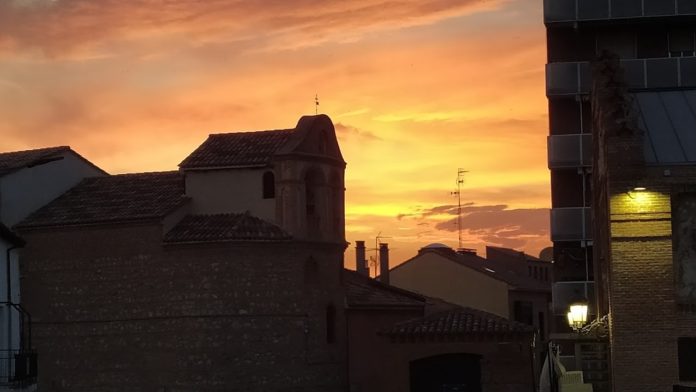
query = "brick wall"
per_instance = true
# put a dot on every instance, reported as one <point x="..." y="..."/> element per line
<point x="115" y="310"/>
<point x="633" y="245"/>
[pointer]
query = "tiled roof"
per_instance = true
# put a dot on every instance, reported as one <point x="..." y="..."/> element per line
<point x="237" y="149"/>
<point x="457" y="322"/>
<point x="119" y="198"/>
<point x="224" y="227"/>
<point x="362" y="291"/>
<point x="11" y="161"/>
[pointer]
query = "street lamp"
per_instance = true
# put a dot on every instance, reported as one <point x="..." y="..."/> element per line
<point x="577" y="316"/>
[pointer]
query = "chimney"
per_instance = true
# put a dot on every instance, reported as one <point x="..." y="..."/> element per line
<point x="360" y="262"/>
<point x="384" y="263"/>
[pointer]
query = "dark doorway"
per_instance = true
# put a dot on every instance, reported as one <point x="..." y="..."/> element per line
<point x="446" y="373"/>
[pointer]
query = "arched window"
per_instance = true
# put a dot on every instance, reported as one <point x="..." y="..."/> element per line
<point x="330" y="324"/>
<point x="268" y="185"/>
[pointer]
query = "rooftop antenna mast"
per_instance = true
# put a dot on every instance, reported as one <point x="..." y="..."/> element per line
<point x="316" y="104"/>
<point x="458" y="193"/>
<point x="374" y="260"/>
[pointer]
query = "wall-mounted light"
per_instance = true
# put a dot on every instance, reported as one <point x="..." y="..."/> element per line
<point x="639" y="188"/>
<point x="577" y="315"/>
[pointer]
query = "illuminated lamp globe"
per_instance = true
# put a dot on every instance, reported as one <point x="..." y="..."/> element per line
<point x="577" y="315"/>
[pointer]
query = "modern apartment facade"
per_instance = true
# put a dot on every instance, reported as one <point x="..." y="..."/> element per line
<point x="656" y="42"/>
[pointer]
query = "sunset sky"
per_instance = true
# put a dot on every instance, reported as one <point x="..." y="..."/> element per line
<point x="416" y="89"/>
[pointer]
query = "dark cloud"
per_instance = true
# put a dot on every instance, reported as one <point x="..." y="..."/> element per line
<point x="344" y="132"/>
<point x="512" y="228"/>
<point x="492" y="224"/>
<point x="63" y="26"/>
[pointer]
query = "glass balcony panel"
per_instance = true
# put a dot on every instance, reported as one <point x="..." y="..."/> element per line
<point x="634" y="73"/>
<point x="626" y="8"/>
<point x="571" y="224"/>
<point x="593" y="9"/>
<point x="565" y="293"/>
<point x="559" y="10"/>
<point x="662" y="73"/>
<point x="585" y="77"/>
<point x="562" y="78"/>
<point x="569" y="150"/>
<point x="659" y="7"/>
<point x="688" y="71"/>
<point x="687" y="7"/>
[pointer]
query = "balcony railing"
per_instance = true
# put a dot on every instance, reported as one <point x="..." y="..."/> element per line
<point x="578" y="10"/>
<point x="565" y="293"/>
<point x="18" y="368"/>
<point x="570" y="78"/>
<point x="571" y="224"/>
<point x="569" y="151"/>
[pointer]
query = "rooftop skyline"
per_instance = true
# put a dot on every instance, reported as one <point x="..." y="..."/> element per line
<point x="416" y="89"/>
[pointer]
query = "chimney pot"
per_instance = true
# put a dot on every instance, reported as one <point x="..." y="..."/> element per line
<point x="384" y="263"/>
<point x="360" y="262"/>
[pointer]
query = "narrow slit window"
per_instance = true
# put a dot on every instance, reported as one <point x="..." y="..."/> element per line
<point x="268" y="185"/>
<point x="330" y="324"/>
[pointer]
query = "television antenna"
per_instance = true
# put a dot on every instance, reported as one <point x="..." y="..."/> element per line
<point x="374" y="260"/>
<point x="458" y="193"/>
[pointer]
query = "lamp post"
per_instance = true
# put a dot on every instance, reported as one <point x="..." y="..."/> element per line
<point x="577" y="315"/>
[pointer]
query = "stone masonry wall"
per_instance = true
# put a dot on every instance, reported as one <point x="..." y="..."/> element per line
<point x="114" y="309"/>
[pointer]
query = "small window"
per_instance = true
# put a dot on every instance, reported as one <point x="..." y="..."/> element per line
<point x="529" y="270"/>
<point x="268" y="185"/>
<point x="546" y="274"/>
<point x="686" y="351"/>
<point x="330" y="324"/>
<point x="536" y="272"/>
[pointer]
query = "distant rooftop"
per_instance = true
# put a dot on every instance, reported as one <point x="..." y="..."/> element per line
<point x="15" y="160"/>
<point x="224" y="227"/>
<point x="458" y="323"/>
<point x="119" y="198"/>
<point x="241" y="149"/>
<point x="363" y="291"/>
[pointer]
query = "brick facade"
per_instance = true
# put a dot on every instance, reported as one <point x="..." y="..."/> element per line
<point x="634" y="246"/>
<point x="116" y="309"/>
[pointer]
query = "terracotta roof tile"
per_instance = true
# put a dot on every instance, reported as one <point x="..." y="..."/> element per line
<point x="237" y="149"/>
<point x="119" y="198"/>
<point x="362" y="291"/>
<point x="11" y="161"/>
<point x="460" y="321"/>
<point x="224" y="227"/>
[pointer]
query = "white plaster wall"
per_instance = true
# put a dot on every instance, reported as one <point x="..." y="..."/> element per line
<point x="232" y="190"/>
<point x="28" y="189"/>
<point x="9" y="317"/>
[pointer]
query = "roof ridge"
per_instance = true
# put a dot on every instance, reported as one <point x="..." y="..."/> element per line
<point x="40" y="149"/>
<point x="255" y="132"/>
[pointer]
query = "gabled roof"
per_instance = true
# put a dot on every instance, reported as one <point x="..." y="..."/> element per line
<point x="486" y="267"/>
<point x="242" y="149"/>
<point x="15" y="160"/>
<point x="458" y="323"/>
<point x="224" y="227"/>
<point x="517" y="253"/>
<point x="110" y="199"/>
<point x="365" y="292"/>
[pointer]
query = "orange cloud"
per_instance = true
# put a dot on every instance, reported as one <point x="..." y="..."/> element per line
<point x="416" y="89"/>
